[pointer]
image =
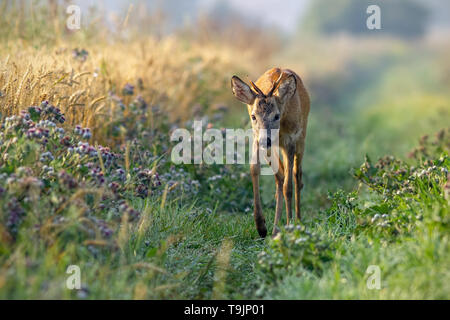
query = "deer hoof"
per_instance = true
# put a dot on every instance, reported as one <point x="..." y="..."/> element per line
<point x="275" y="232"/>
<point x="262" y="231"/>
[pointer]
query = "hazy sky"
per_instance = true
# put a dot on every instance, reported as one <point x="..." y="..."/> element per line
<point x="281" y="13"/>
<point x="284" y="14"/>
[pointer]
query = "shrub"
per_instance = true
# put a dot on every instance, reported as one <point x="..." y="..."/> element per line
<point x="294" y="249"/>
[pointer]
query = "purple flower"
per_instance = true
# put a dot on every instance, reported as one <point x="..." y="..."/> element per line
<point x="114" y="186"/>
<point x="46" y="156"/>
<point x="67" y="180"/>
<point x="142" y="191"/>
<point x="128" y="89"/>
<point x="16" y="213"/>
<point x="78" y="130"/>
<point x="80" y="55"/>
<point x="133" y="214"/>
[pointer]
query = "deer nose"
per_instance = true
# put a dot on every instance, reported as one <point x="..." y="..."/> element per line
<point x="266" y="142"/>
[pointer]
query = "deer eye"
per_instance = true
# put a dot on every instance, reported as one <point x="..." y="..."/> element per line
<point x="253" y="118"/>
<point x="277" y="117"/>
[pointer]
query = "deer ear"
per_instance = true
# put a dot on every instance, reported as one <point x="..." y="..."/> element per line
<point x="242" y="91"/>
<point x="287" y="88"/>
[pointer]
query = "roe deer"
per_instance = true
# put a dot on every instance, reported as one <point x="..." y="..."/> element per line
<point x="278" y="100"/>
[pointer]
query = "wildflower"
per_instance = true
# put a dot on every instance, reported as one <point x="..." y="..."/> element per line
<point x="65" y="141"/>
<point x="128" y="89"/>
<point x="92" y="151"/>
<point x="156" y="180"/>
<point x="289" y="228"/>
<point x="15" y="215"/>
<point x="67" y="180"/>
<point x="123" y="206"/>
<point x="140" y="102"/>
<point x="383" y="224"/>
<point x="142" y="191"/>
<point x="35" y="110"/>
<point x="46" y="156"/>
<point x="86" y="133"/>
<point x="47" y="169"/>
<point x="120" y="174"/>
<point x="83" y="293"/>
<point x="33" y="133"/>
<point x="375" y="218"/>
<point x="97" y="175"/>
<point x="114" y="186"/>
<point x="25" y="115"/>
<point x="143" y="175"/>
<point x="115" y="97"/>
<point x="194" y="183"/>
<point x="51" y="112"/>
<point x="30" y="182"/>
<point x="80" y="55"/>
<point x="78" y="130"/>
<point x="104" y="229"/>
<point x="133" y="214"/>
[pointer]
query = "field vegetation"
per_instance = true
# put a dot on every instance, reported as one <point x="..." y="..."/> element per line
<point x="86" y="176"/>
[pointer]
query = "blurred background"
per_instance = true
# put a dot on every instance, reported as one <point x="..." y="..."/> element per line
<point x="136" y="70"/>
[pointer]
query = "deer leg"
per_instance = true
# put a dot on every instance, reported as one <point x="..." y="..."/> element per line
<point x="279" y="179"/>
<point x="298" y="181"/>
<point x="287" y="185"/>
<point x="298" y="184"/>
<point x="255" y="170"/>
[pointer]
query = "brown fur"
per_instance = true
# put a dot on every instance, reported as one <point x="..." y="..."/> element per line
<point x="292" y="125"/>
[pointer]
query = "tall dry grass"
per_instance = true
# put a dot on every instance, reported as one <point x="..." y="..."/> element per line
<point x="174" y="72"/>
<point x="169" y="73"/>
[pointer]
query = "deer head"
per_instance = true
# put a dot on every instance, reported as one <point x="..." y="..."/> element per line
<point x="265" y="110"/>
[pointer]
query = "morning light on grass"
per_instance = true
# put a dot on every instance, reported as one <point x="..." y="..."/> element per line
<point x="93" y="205"/>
